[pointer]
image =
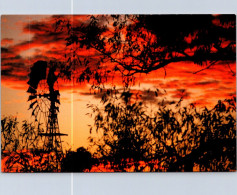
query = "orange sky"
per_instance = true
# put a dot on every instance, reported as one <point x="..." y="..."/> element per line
<point x="26" y="39"/>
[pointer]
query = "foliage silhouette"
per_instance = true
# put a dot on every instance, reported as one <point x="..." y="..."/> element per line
<point x="143" y="43"/>
<point x="181" y="139"/>
<point x="22" y="148"/>
<point x="13" y="138"/>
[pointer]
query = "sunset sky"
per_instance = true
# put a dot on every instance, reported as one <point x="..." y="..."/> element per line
<point x="26" y="39"/>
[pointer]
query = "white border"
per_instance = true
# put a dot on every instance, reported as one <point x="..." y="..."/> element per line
<point x="125" y="183"/>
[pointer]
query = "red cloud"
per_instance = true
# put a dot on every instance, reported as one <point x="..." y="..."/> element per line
<point x="6" y="41"/>
<point x="48" y="43"/>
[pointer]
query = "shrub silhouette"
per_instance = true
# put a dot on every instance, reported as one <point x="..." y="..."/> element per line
<point x="22" y="148"/>
<point x="78" y="161"/>
<point x="180" y="139"/>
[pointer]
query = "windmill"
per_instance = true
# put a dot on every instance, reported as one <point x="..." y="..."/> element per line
<point x="45" y="101"/>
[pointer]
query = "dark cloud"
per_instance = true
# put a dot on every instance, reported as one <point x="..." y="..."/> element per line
<point x="181" y="93"/>
<point x="207" y="82"/>
<point x="16" y="71"/>
<point x="231" y="94"/>
<point x="144" y="95"/>
<point x="6" y="72"/>
<point x="17" y="57"/>
<point x="4" y="50"/>
<point x="97" y="95"/>
<point x="191" y="72"/>
<point x="12" y="66"/>
<point x="173" y="84"/>
<point x="36" y="27"/>
<point x="150" y="95"/>
<point x="166" y="102"/>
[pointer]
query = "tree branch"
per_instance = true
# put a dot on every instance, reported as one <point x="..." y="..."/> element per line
<point x="209" y="66"/>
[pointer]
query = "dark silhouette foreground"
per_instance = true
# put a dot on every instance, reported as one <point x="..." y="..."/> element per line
<point x="180" y="139"/>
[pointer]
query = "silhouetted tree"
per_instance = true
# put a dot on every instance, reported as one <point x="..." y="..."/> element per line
<point x="125" y="130"/>
<point x="181" y="139"/>
<point x="144" y="43"/>
<point x="131" y="44"/>
<point x="78" y="161"/>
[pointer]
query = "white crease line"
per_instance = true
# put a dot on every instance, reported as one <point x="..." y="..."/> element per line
<point x="72" y="116"/>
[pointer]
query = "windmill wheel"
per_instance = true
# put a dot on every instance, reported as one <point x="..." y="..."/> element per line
<point x="40" y="103"/>
<point x="39" y="92"/>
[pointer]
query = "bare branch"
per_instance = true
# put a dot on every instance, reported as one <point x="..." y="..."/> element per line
<point x="209" y="66"/>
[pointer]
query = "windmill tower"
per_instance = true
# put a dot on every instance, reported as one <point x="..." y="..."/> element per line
<point x="45" y="100"/>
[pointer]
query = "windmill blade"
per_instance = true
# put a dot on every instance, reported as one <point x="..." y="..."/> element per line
<point x="33" y="112"/>
<point x="31" y="90"/>
<point x="32" y="104"/>
<point x="31" y="97"/>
